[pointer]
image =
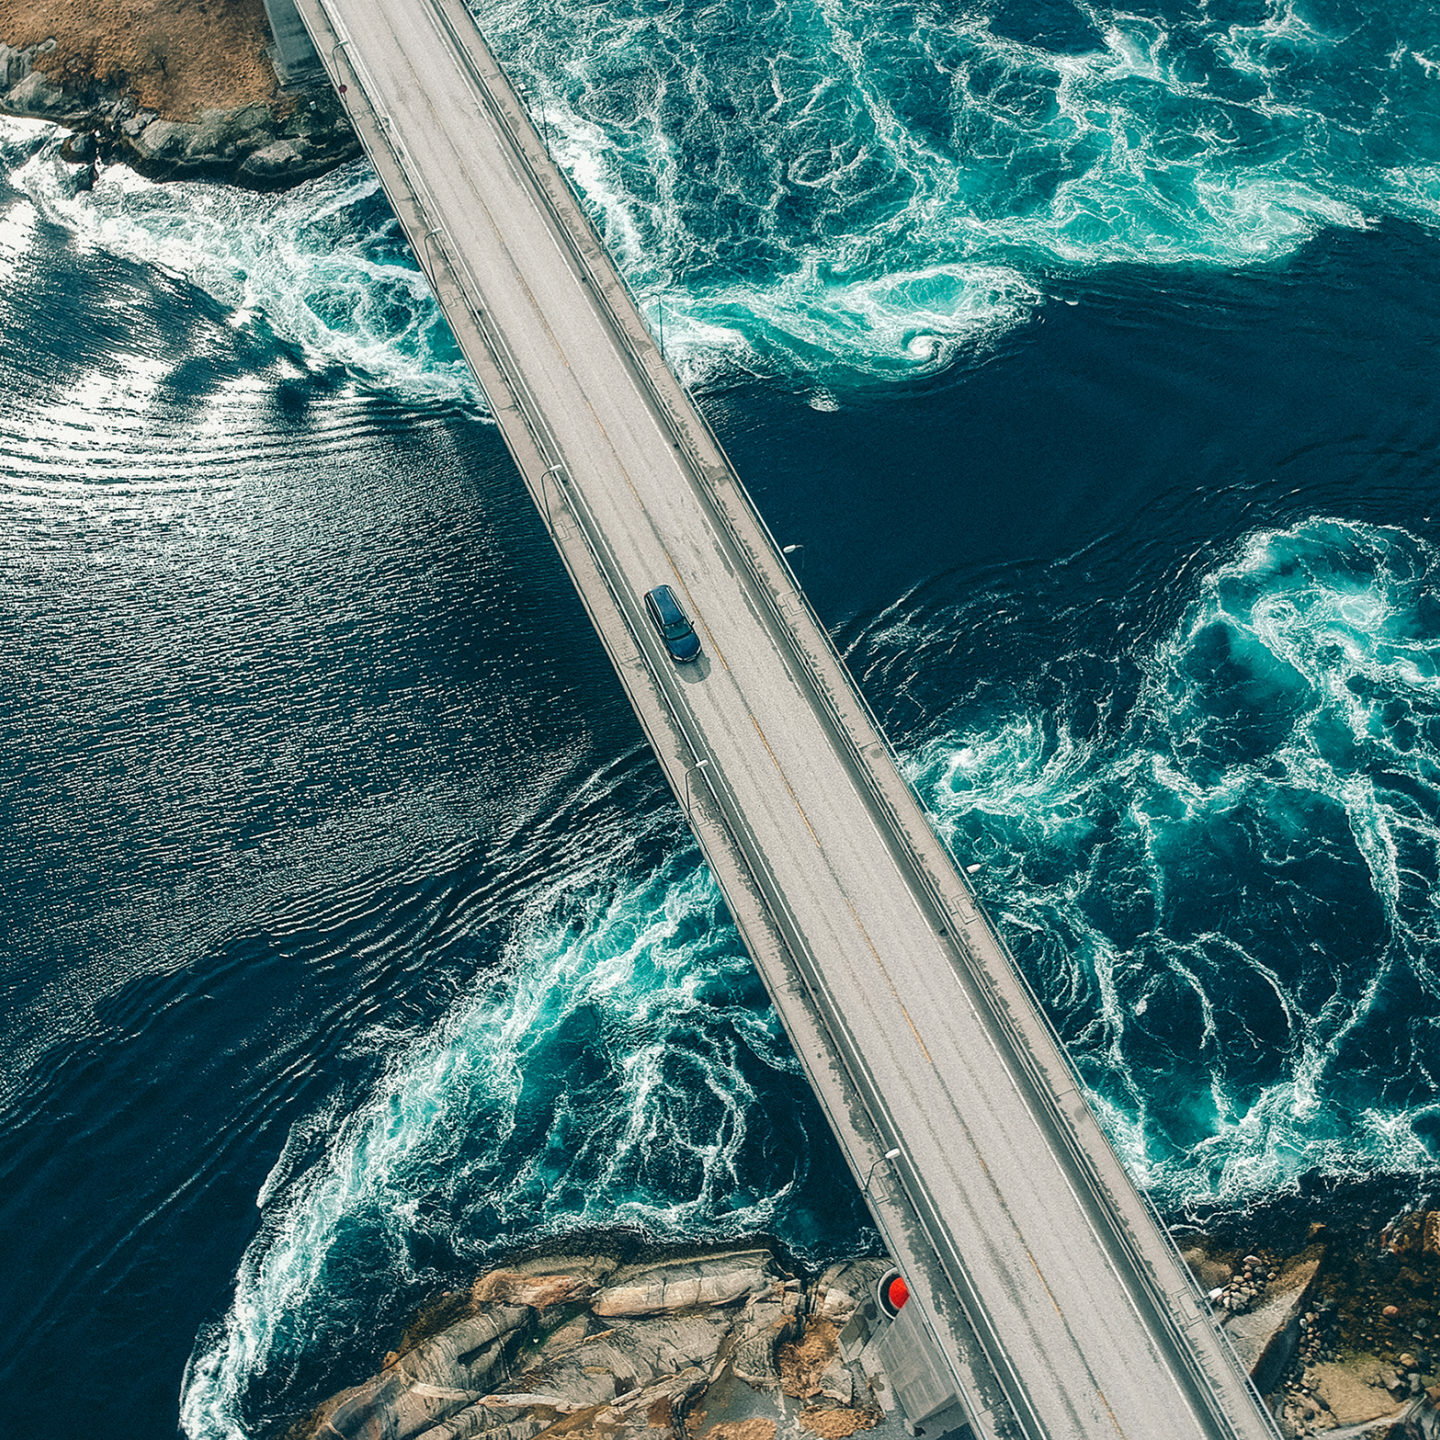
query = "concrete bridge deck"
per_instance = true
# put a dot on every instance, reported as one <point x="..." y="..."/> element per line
<point x="1059" y="1305"/>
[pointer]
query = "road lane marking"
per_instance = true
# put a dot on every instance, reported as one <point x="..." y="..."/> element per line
<point x="859" y="924"/>
<point x="799" y="808"/>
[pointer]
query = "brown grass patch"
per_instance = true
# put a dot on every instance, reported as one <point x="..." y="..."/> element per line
<point x="802" y="1362"/>
<point x="177" y="57"/>
<point x="753" y="1429"/>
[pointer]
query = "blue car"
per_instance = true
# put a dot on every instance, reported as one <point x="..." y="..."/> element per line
<point x="672" y="624"/>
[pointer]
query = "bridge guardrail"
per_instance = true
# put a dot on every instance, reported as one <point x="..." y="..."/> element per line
<point x="730" y="815"/>
<point x="641" y="365"/>
<point x="639" y="356"/>
<point x="821" y="690"/>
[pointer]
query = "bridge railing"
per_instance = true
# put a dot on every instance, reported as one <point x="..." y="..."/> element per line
<point x="643" y="358"/>
<point x="729" y="812"/>
<point x="651" y="369"/>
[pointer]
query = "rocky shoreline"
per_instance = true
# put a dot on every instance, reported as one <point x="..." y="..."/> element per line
<point x="1338" y="1322"/>
<point x="1334" y="1307"/>
<point x="688" y="1345"/>
<point x="1332" y="1303"/>
<point x="262" y="145"/>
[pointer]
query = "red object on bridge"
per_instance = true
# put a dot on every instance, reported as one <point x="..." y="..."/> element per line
<point x="899" y="1292"/>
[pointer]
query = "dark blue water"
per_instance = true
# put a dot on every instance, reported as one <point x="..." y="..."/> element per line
<point x="348" y="932"/>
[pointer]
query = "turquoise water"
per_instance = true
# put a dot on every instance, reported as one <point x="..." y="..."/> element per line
<point x="868" y="189"/>
<point x="834" y="192"/>
<point x="1227" y="881"/>
<point x="618" y="1071"/>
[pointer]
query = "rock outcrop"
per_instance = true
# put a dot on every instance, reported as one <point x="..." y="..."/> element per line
<point x="583" y="1346"/>
<point x="1340" y="1327"/>
<point x="678" y="1286"/>
<point x="1267" y="1332"/>
<point x="263" y="145"/>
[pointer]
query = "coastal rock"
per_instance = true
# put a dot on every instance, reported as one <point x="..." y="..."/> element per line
<point x="844" y="1288"/>
<point x="14" y="66"/>
<point x="272" y="162"/>
<point x="1430" y="1233"/>
<point x="681" y="1284"/>
<point x="528" y="1349"/>
<point x="837" y="1383"/>
<point x="443" y="1375"/>
<point x="593" y="1269"/>
<point x="1352" y="1391"/>
<point x="164" y="140"/>
<point x="511" y="1287"/>
<point x="80" y="148"/>
<point x="1342" y="1339"/>
<point x="1210" y="1273"/>
<point x="610" y="1364"/>
<point x="1267" y="1337"/>
<point x="35" y="95"/>
<point x="769" y="1320"/>
<point x="477" y="1421"/>
<point x="221" y="132"/>
<point x="1422" y="1422"/>
<point x="261" y="145"/>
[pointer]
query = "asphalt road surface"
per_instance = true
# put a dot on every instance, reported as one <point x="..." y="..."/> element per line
<point x="1061" y="1308"/>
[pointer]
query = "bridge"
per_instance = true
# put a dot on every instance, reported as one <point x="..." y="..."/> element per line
<point x="1055" y="1301"/>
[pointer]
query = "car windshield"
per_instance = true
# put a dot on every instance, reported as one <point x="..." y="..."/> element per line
<point x="676" y="629"/>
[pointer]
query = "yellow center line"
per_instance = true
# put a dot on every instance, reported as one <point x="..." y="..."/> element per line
<point x="539" y="311"/>
<point x="594" y="415"/>
<point x="1065" y="1324"/>
<point x="865" y="935"/>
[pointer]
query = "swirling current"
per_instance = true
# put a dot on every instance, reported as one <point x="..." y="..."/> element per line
<point x="1268" y="781"/>
<point x="350" y="936"/>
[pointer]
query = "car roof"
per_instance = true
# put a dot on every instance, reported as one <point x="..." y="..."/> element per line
<point x="667" y="604"/>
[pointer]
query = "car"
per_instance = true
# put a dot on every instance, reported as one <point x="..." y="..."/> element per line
<point x="672" y="624"/>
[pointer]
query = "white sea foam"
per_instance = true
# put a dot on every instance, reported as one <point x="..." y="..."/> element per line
<point x="1223" y="892"/>
<point x="798" y="186"/>
<point x="597" y="1078"/>
<point x="842" y="190"/>
<point x="324" y="265"/>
